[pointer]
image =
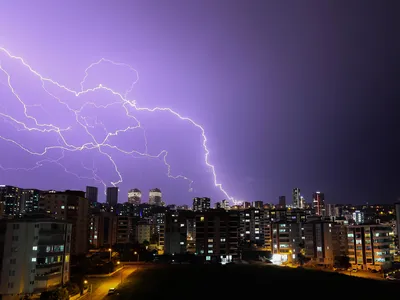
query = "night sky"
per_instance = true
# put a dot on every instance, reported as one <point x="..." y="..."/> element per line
<point x="290" y="94"/>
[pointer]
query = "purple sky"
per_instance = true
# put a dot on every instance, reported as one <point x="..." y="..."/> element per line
<point x="290" y="94"/>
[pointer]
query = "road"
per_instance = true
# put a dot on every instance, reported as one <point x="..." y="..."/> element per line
<point x="363" y="274"/>
<point x="100" y="286"/>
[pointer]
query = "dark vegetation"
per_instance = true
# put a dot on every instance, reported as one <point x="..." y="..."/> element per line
<point x="245" y="282"/>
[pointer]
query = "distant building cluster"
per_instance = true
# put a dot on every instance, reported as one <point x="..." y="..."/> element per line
<point x="42" y="230"/>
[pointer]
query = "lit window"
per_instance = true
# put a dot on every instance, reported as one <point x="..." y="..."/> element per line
<point x="62" y="207"/>
<point x="182" y="225"/>
<point x="34" y="248"/>
<point x="201" y="219"/>
<point x="33" y="259"/>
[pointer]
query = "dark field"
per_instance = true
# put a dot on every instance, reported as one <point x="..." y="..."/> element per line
<point x="244" y="281"/>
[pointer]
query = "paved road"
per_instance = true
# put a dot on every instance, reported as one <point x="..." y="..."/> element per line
<point x="100" y="286"/>
<point x="364" y="274"/>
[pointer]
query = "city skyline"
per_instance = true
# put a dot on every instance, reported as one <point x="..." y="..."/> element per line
<point x="289" y="105"/>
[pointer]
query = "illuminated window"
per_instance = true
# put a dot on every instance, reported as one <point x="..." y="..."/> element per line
<point x="201" y="219"/>
<point x="34" y="248"/>
<point x="33" y="259"/>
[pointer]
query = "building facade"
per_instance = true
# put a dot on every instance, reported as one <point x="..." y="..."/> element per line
<point x="34" y="255"/>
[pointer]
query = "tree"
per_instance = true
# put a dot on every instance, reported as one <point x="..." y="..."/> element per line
<point x="146" y="243"/>
<point x="342" y="262"/>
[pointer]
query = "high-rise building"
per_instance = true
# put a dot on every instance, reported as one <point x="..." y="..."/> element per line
<point x="34" y="255"/>
<point x="112" y="196"/>
<point x="319" y="203"/>
<point x="29" y="200"/>
<point x="217" y="235"/>
<point x="73" y="207"/>
<point x="302" y="202"/>
<point x="201" y="204"/>
<point x="258" y="204"/>
<point x="358" y="217"/>
<point x="10" y="197"/>
<point x="282" y="202"/>
<point x="135" y="196"/>
<point x="296" y="198"/>
<point x="155" y="197"/>
<point x="103" y="229"/>
<point x="179" y="232"/>
<point x="397" y="208"/>
<point x="92" y="194"/>
<point x="252" y="226"/>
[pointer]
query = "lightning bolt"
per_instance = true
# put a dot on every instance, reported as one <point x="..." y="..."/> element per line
<point x="89" y="122"/>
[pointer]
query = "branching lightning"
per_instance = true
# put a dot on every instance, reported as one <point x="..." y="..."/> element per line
<point x="89" y="122"/>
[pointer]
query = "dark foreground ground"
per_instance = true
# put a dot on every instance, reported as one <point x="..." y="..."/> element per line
<point x="246" y="282"/>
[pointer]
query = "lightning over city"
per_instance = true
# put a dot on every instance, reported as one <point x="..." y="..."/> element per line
<point x="79" y="117"/>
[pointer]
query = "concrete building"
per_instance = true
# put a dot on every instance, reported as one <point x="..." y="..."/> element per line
<point x="125" y="230"/>
<point x="322" y="241"/>
<point x="217" y="235"/>
<point x="155" y="197"/>
<point x="91" y="194"/>
<point x="201" y="204"/>
<point x="319" y="203"/>
<point x="10" y="197"/>
<point x="296" y="203"/>
<point x="34" y="255"/>
<point x="112" y="196"/>
<point x="180" y="232"/>
<point x="135" y="196"/>
<point x="282" y="202"/>
<point x="252" y="226"/>
<point x="71" y="206"/>
<point x="103" y="230"/>
<point x="143" y="231"/>
<point x="397" y="210"/>
<point x="370" y="246"/>
<point x="286" y="240"/>
<point x="358" y="217"/>
<point x="29" y="201"/>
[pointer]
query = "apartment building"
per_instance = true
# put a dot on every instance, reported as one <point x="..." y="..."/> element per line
<point x="34" y="255"/>
<point x="71" y="206"/>
<point x="322" y="241"/>
<point x="252" y="226"/>
<point x="286" y="241"/>
<point x="103" y="229"/>
<point x="125" y="230"/>
<point x="142" y="230"/>
<point x="370" y="246"/>
<point x="217" y="235"/>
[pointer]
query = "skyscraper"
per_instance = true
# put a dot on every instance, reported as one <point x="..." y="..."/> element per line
<point x="91" y="194"/>
<point x="155" y="197"/>
<point x="112" y="196"/>
<point x="296" y="198"/>
<point x="282" y="202"/>
<point x="319" y="203"/>
<point x="134" y="196"/>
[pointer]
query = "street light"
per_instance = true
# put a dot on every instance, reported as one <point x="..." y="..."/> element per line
<point x="85" y="282"/>
<point x="110" y="250"/>
<point x="137" y="255"/>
